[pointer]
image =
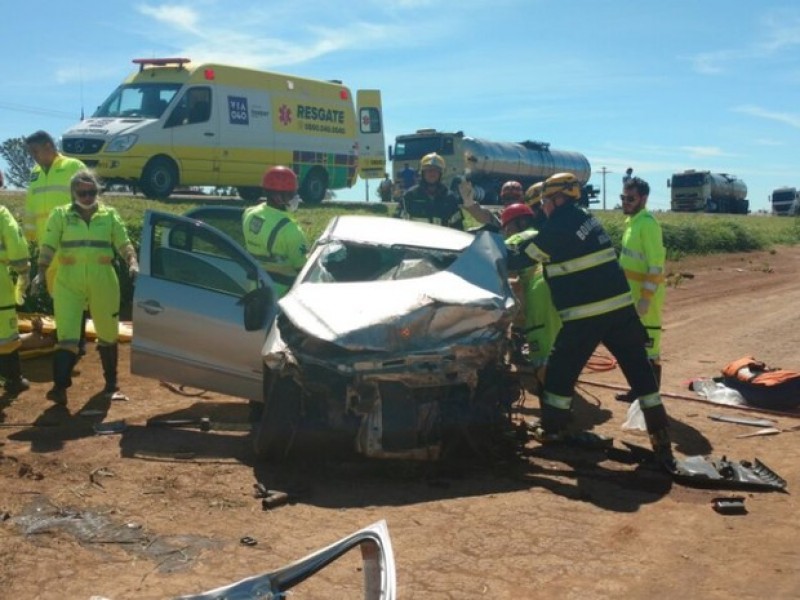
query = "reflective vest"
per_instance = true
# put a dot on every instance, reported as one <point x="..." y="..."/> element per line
<point x="45" y="192"/>
<point x="276" y="242"/>
<point x="580" y="264"/>
<point x="14" y="255"/>
<point x="440" y="208"/>
<point x="642" y="257"/>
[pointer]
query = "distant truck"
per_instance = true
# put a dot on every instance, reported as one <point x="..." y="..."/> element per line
<point x="176" y="123"/>
<point x="703" y="191"/>
<point x="785" y="201"/>
<point x="488" y="165"/>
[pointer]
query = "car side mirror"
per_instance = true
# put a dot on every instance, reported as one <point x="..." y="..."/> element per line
<point x="257" y="304"/>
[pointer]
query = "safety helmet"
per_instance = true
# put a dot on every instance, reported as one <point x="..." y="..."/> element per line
<point x="511" y="192"/>
<point x="432" y="161"/>
<point x="515" y="211"/>
<point x="533" y="195"/>
<point x="279" y="179"/>
<point x="564" y="183"/>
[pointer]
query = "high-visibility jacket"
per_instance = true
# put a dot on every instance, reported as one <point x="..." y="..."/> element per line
<point x="580" y="264"/>
<point x="13" y="256"/>
<point x="86" y="275"/>
<point x="541" y="319"/>
<point x="437" y="205"/>
<point x="46" y="191"/>
<point x="642" y="258"/>
<point x="277" y="242"/>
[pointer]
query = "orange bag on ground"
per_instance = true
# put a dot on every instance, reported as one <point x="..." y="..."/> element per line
<point x="763" y="386"/>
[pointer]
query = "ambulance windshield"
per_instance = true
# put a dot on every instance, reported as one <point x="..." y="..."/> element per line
<point x="138" y="100"/>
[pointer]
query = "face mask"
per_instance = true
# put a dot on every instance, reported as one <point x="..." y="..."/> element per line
<point x="294" y="203"/>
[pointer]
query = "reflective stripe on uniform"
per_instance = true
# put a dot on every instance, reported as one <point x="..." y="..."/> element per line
<point x="650" y="400"/>
<point x="556" y="401"/>
<point x="581" y="263"/>
<point x="596" y="308"/>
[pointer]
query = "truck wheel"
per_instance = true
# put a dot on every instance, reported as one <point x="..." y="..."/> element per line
<point x="250" y="195"/>
<point x="159" y="178"/>
<point x="314" y="187"/>
<point x="280" y="421"/>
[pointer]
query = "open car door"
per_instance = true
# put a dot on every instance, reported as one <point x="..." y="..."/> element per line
<point x="202" y="308"/>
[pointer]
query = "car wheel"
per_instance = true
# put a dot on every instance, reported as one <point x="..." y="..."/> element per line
<point x="280" y="420"/>
<point x="314" y="186"/>
<point x="159" y="178"/>
<point x="250" y="195"/>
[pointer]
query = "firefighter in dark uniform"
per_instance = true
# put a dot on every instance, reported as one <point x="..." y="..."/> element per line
<point x="594" y="301"/>
<point x="430" y="200"/>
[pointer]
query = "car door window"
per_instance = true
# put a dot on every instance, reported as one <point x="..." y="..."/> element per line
<point x="194" y="255"/>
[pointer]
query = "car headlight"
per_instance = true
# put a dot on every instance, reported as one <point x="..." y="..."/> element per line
<point x="122" y="143"/>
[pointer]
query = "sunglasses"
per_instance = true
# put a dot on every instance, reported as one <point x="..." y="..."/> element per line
<point x="86" y="193"/>
<point x="625" y="198"/>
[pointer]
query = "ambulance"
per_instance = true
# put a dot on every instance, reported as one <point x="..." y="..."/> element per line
<point x="172" y="123"/>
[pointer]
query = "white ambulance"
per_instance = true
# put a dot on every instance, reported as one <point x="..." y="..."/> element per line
<point x="173" y="123"/>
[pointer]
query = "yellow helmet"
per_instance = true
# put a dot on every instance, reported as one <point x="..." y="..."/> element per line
<point x="433" y="161"/>
<point x="564" y="183"/>
<point x="533" y="195"/>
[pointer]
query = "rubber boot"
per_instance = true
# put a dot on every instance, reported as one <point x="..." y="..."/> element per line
<point x="11" y="371"/>
<point x="109" y="357"/>
<point x="658" y="429"/>
<point x="63" y="361"/>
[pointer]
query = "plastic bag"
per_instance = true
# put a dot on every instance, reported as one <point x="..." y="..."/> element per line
<point x="635" y="419"/>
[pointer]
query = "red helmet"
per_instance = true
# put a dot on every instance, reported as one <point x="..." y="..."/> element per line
<point x="279" y="179"/>
<point x="511" y="192"/>
<point x="515" y="211"/>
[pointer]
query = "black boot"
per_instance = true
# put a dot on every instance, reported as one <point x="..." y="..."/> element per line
<point x="657" y="423"/>
<point x="11" y="371"/>
<point x="63" y="361"/>
<point x="109" y="357"/>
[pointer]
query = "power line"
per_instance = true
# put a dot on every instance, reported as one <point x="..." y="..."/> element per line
<point x="46" y="112"/>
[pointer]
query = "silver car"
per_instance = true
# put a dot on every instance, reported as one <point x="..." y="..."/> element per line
<point x="394" y="336"/>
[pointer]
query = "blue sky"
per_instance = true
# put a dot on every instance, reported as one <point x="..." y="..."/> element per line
<point x="658" y="86"/>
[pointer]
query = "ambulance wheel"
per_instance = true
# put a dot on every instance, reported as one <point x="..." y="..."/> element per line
<point x="159" y="178"/>
<point x="314" y="186"/>
<point x="250" y="195"/>
<point x="276" y="434"/>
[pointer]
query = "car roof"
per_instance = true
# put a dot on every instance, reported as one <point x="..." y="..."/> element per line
<point x="386" y="231"/>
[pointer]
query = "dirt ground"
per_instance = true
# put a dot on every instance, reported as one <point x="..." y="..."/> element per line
<point x="155" y="513"/>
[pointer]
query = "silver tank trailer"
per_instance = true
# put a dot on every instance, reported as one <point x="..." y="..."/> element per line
<point x="726" y="186"/>
<point x="526" y="160"/>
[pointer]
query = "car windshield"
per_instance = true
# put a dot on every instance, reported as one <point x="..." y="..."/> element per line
<point x="141" y="100"/>
<point x="342" y="262"/>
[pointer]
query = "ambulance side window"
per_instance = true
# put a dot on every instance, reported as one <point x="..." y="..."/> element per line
<point x="193" y="107"/>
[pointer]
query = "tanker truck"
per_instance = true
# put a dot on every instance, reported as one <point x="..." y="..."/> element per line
<point x="703" y="191"/>
<point x="785" y="201"/>
<point x="488" y="165"/>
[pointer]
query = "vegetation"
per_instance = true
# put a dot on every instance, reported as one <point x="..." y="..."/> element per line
<point x="684" y="234"/>
<point x="20" y="162"/>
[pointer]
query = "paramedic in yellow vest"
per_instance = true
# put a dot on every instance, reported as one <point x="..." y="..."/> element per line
<point x="48" y="188"/>
<point x="541" y="321"/>
<point x="642" y="257"/>
<point x="13" y="257"/>
<point x="271" y="235"/>
<point x="83" y="237"/>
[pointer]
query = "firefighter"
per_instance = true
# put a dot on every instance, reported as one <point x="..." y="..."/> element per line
<point x="83" y="237"/>
<point x="541" y="321"/>
<point x="273" y="237"/>
<point x="48" y="188"/>
<point x="642" y="259"/>
<point x="594" y="302"/>
<point x="14" y="256"/>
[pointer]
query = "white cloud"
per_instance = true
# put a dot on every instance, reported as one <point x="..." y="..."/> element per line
<point x="175" y="16"/>
<point x="704" y="151"/>
<point x="792" y="120"/>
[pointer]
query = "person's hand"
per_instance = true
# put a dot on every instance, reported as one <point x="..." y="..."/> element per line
<point x="21" y="289"/>
<point x="133" y="272"/>
<point x="38" y="284"/>
<point x="642" y="306"/>
<point x="467" y="193"/>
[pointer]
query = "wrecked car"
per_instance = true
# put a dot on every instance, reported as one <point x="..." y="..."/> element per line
<point x="394" y="335"/>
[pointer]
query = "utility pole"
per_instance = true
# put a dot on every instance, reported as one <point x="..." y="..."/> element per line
<point x="604" y="172"/>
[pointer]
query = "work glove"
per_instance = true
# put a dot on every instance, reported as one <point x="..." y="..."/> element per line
<point x="38" y="284"/>
<point x="21" y="289"/>
<point x="467" y="193"/>
<point x="642" y="306"/>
